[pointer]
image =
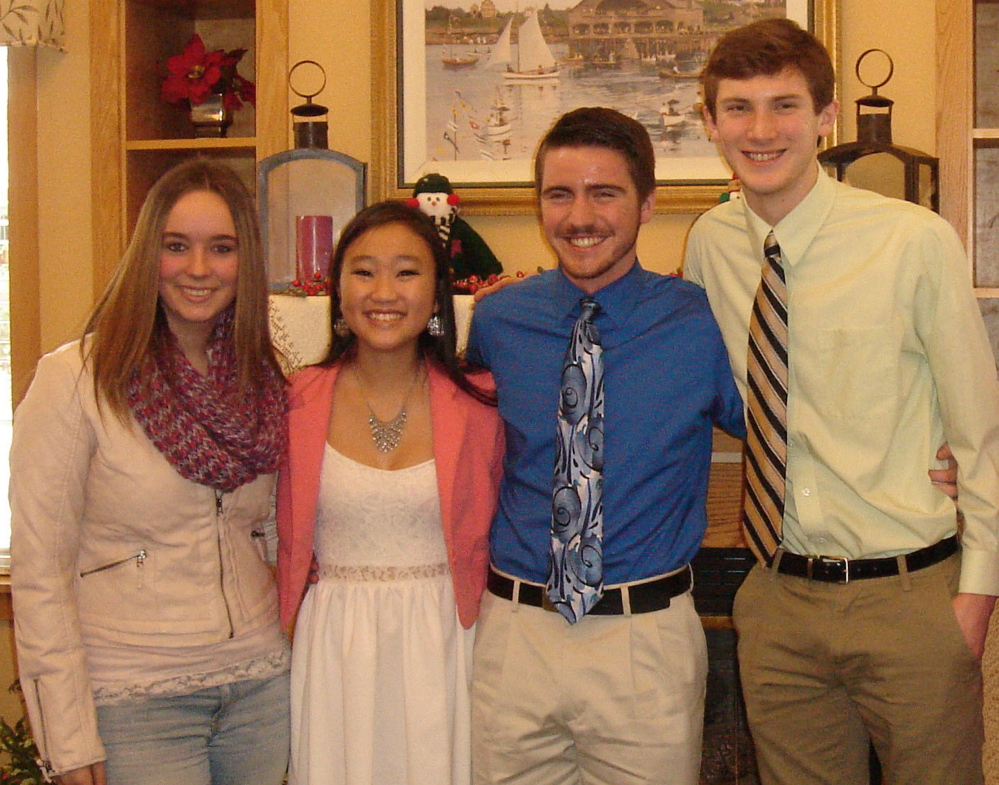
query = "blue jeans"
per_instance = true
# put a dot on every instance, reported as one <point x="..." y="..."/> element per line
<point x="235" y="734"/>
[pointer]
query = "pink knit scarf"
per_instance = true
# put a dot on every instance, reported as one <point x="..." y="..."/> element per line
<point x="209" y="430"/>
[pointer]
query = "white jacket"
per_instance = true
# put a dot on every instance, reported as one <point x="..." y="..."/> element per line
<point x="110" y="545"/>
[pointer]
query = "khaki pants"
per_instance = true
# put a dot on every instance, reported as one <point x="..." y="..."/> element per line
<point x="612" y="700"/>
<point x="827" y="668"/>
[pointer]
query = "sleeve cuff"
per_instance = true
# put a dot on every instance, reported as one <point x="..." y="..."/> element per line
<point x="979" y="572"/>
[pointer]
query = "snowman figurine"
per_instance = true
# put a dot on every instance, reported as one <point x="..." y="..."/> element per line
<point x="469" y="254"/>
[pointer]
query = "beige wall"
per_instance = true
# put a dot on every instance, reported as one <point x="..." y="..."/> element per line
<point x="64" y="182"/>
<point x="337" y="34"/>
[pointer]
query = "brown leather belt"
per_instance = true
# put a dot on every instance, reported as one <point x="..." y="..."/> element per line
<point x="645" y="597"/>
<point x="831" y="569"/>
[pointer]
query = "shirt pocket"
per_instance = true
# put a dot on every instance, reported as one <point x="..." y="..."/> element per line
<point x="852" y="375"/>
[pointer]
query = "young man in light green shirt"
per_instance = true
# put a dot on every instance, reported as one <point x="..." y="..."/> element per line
<point x="879" y="636"/>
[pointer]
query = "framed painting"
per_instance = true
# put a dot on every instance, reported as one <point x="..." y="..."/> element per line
<point x="467" y="88"/>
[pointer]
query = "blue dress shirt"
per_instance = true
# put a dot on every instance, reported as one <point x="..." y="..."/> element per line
<point x="667" y="379"/>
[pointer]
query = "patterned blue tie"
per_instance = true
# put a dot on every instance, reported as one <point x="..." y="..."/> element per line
<point x="575" y="578"/>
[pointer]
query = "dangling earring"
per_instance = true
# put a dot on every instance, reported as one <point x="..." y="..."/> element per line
<point x="435" y="326"/>
<point x="341" y="328"/>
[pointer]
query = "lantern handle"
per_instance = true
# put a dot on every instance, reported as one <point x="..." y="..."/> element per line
<point x="891" y="70"/>
<point x="307" y="96"/>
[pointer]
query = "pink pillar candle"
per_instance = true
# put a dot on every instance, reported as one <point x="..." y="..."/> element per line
<point x="313" y="246"/>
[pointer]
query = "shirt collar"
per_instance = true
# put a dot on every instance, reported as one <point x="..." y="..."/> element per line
<point x="798" y="228"/>
<point x="617" y="300"/>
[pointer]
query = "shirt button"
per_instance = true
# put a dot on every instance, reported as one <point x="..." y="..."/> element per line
<point x="806" y="491"/>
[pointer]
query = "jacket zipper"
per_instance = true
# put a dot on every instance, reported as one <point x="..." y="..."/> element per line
<point x="218" y="521"/>
<point x="43" y="763"/>
<point x="139" y="558"/>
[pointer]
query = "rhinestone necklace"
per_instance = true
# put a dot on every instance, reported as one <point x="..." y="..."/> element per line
<point x="386" y="435"/>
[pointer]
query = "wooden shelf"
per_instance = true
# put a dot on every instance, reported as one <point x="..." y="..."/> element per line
<point x="204" y="9"/>
<point x="197" y="145"/>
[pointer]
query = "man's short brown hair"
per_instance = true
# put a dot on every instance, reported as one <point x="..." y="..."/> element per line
<point x="598" y="126"/>
<point x="766" y="48"/>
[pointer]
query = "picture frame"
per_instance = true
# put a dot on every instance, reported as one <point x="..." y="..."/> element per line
<point x="425" y="117"/>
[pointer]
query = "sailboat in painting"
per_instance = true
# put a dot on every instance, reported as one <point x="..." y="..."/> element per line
<point x="534" y="61"/>
<point x="452" y="59"/>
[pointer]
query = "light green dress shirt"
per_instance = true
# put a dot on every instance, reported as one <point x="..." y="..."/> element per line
<point x="888" y="359"/>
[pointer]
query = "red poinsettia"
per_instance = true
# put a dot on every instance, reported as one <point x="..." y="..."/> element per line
<point x="196" y="73"/>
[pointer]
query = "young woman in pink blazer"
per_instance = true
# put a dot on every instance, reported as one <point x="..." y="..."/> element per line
<point x="390" y="480"/>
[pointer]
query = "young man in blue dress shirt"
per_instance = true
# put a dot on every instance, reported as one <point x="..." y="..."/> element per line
<point x="868" y="621"/>
<point x="617" y="697"/>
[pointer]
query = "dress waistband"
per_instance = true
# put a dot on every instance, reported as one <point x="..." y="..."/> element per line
<point x="339" y="572"/>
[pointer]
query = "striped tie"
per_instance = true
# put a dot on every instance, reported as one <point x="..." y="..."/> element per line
<point x="766" y="439"/>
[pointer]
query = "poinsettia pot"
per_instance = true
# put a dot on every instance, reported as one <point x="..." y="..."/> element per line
<point x="211" y="118"/>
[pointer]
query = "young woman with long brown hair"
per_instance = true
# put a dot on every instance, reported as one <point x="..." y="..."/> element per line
<point x="142" y="468"/>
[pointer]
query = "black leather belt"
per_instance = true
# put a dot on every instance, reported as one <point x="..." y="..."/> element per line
<point x="644" y="597"/>
<point x="831" y="569"/>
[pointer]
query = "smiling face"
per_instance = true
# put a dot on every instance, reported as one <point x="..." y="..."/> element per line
<point x="591" y="213"/>
<point x="199" y="260"/>
<point x="767" y="128"/>
<point x="386" y="288"/>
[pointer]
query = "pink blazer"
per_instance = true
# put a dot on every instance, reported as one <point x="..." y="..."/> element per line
<point x="468" y="449"/>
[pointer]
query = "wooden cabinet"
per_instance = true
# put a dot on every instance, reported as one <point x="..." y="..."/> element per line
<point x="968" y="138"/>
<point x="136" y="135"/>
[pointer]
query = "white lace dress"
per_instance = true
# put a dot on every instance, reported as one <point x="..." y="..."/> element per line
<point x="380" y="664"/>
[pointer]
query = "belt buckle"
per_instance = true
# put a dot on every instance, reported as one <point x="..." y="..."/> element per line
<point x="837" y="560"/>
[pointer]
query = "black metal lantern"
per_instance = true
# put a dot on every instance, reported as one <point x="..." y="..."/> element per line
<point x="873" y="161"/>
<point x="306" y="195"/>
